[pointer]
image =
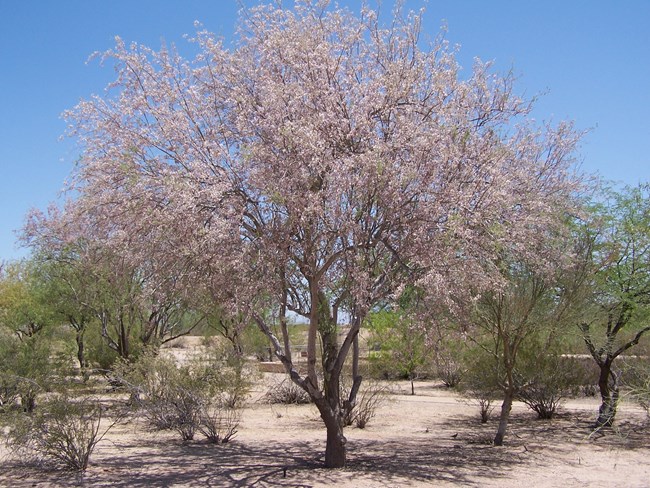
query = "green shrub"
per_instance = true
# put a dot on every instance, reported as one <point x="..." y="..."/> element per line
<point x="255" y="343"/>
<point x="98" y="354"/>
<point x="399" y="347"/>
<point x="481" y="385"/>
<point x="636" y="376"/>
<point x="27" y="368"/>
<point x="545" y="378"/>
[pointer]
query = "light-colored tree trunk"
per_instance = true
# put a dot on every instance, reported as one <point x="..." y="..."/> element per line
<point x="506" y="407"/>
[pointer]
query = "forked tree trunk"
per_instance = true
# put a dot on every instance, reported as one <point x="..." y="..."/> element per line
<point x="506" y="407"/>
<point x="325" y="393"/>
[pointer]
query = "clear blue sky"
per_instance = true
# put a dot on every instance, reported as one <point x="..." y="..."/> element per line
<point x="591" y="57"/>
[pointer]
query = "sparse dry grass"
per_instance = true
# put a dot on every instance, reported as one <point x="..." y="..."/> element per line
<point x="432" y="438"/>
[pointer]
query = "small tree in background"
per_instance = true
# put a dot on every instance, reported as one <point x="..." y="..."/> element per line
<point x="532" y="308"/>
<point x="69" y="290"/>
<point x="403" y="347"/>
<point x="9" y="381"/>
<point x="616" y="253"/>
<point x="29" y="351"/>
<point x="25" y="306"/>
<point x="89" y="282"/>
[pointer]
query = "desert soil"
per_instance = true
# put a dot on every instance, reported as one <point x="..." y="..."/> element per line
<point x="434" y="438"/>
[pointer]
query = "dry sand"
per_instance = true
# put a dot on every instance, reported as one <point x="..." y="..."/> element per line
<point x="431" y="439"/>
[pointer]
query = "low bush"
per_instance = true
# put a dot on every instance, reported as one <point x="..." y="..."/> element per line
<point x="546" y="381"/>
<point x="219" y="425"/>
<point x="62" y="430"/>
<point x="449" y="370"/>
<point x="483" y="398"/>
<point x="450" y="357"/>
<point x="636" y="376"/>
<point x="480" y="385"/>
<point x="485" y="408"/>
<point x="371" y="396"/>
<point x="286" y="392"/>
<point x="203" y="395"/>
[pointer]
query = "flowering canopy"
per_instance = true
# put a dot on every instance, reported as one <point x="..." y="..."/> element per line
<point x="324" y="146"/>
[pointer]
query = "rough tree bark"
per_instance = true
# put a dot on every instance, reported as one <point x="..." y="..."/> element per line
<point x="609" y="394"/>
<point x="506" y="407"/>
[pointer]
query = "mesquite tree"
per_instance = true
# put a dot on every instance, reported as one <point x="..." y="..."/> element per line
<point x="90" y="281"/>
<point x="534" y="305"/>
<point x="616" y="273"/>
<point x="317" y="167"/>
<point x="24" y="303"/>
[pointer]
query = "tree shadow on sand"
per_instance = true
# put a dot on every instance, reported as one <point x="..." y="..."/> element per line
<point x="295" y="465"/>
<point x="564" y="431"/>
<point x="459" y="453"/>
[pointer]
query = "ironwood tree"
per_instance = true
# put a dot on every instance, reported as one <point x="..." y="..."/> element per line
<point x="318" y="166"/>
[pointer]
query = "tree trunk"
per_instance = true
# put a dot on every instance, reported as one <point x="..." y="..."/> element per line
<point x="335" y="448"/>
<point x="81" y="356"/>
<point x="506" y="407"/>
<point x="609" y="394"/>
<point x="335" y="451"/>
<point x="123" y="340"/>
<point x="325" y="393"/>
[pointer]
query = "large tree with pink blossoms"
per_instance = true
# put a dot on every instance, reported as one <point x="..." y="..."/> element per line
<point x="319" y="166"/>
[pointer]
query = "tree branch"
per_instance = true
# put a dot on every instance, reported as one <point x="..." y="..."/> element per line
<point x="633" y="342"/>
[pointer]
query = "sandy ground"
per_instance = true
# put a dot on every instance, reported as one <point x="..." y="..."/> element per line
<point x="431" y="439"/>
